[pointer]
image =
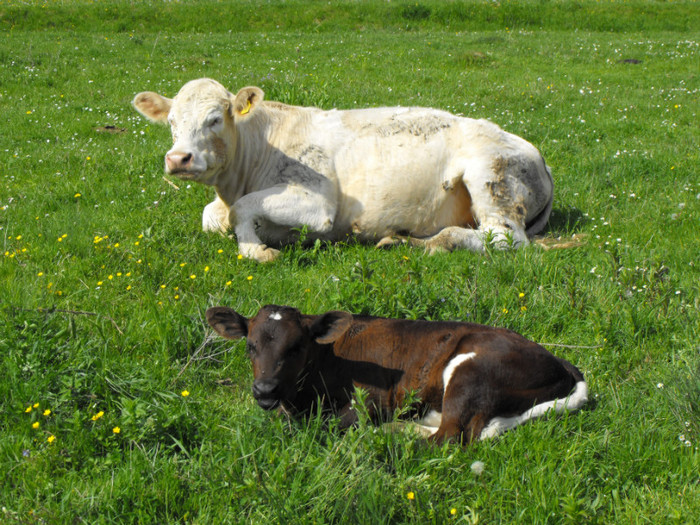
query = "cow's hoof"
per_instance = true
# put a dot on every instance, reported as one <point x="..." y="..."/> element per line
<point x="266" y="255"/>
<point x="389" y="242"/>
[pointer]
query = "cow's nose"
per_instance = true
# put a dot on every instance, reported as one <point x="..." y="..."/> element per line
<point x="178" y="161"/>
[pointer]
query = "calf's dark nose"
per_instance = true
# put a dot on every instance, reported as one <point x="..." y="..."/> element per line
<point x="265" y="389"/>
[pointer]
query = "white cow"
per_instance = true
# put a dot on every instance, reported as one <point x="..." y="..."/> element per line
<point x="386" y="175"/>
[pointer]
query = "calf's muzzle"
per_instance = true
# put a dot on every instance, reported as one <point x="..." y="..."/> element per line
<point x="266" y="393"/>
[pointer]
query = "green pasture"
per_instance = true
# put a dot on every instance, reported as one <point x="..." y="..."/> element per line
<point x="118" y="405"/>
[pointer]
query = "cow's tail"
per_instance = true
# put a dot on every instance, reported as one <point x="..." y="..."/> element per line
<point x="538" y="223"/>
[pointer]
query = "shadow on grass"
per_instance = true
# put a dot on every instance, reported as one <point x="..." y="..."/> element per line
<point x="565" y="221"/>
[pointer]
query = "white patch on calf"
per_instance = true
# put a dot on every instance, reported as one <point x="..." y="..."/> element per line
<point x="574" y="401"/>
<point x="276" y="316"/>
<point x="452" y="366"/>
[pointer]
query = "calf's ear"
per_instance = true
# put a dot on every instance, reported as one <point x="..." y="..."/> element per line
<point x="227" y="323"/>
<point x="153" y="106"/>
<point x="246" y="100"/>
<point x="330" y="326"/>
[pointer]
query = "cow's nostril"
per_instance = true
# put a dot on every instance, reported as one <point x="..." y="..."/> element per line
<point x="186" y="158"/>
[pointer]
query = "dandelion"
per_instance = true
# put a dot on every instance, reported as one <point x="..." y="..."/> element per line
<point x="110" y="277"/>
<point x="177" y="297"/>
<point x="27" y="410"/>
<point x="40" y="274"/>
<point x="206" y="269"/>
<point x="521" y="295"/>
<point x="35" y="405"/>
<point x="505" y="310"/>
<point x="219" y="251"/>
<point x="99" y="283"/>
<point x="182" y="265"/>
<point x="35" y="425"/>
<point x="228" y="283"/>
<point x="185" y="393"/>
<point x="250" y="277"/>
<point x="193" y="276"/>
<point x="523" y="308"/>
<point x="47" y="412"/>
<point x="411" y="496"/>
<point x="98" y="415"/>
<point x="51" y="439"/>
<point x="162" y="286"/>
<point x="453" y="511"/>
<point x="478" y="468"/>
<point x="116" y="430"/>
<point x="240" y="257"/>
<point x="77" y="195"/>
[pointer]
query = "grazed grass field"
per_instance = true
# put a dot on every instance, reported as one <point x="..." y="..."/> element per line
<point x="117" y="407"/>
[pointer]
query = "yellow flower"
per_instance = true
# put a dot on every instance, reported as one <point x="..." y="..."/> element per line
<point x="110" y="277"/>
<point x="162" y="286"/>
<point x="453" y="511"/>
<point x="77" y="195"/>
<point x="228" y="283"/>
<point x="136" y="243"/>
<point x="128" y="287"/>
<point x="177" y="297"/>
<point x="206" y="268"/>
<point x="411" y="496"/>
<point x="185" y="393"/>
<point x="240" y="257"/>
<point x="47" y="412"/>
<point x="116" y="430"/>
<point x="523" y="308"/>
<point x="99" y="283"/>
<point x="35" y="425"/>
<point x="28" y="409"/>
<point x="98" y="415"/>
<point x="182" y="265"/>
<point x="505" y="310"/>
<point x="521" y="295"/>
<point x="193" y="276"/>
<point x="51" y="439"/>
<point x="36" y="405"/>
<point x="40" y="274"/>
<point x="250" y="277"/>
<point x="219" y="251"/>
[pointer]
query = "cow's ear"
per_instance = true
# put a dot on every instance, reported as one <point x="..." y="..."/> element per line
<point x="227" y="323"/>
<point x="246" y="100"/>
<point x="153" y="106"/>
<point x="330" y="326"/>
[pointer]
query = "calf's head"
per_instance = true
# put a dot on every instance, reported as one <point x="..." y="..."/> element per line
<point x="282" y="345"/>
<point x="203" y="118"/>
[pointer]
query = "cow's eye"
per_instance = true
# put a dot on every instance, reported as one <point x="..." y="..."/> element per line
<point x="214" y="122"/>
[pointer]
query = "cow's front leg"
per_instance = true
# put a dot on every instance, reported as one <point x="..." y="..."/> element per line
<point x="279" y="208"/>
<point x="216" y="216"/>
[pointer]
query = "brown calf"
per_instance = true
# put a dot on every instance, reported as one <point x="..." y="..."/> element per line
<point x="473" y="381"/>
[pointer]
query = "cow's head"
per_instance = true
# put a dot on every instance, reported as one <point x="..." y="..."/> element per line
<point x="282" y="345"/>
<point x="202" y="118"/>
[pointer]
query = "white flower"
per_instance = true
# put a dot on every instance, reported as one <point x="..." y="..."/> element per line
<point x="659" y="385"/>
<point x="478" y="468"/>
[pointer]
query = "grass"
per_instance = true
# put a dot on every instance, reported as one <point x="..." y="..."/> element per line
<point x="105" y="274"/>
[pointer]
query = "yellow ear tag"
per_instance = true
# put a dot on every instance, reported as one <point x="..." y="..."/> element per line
<point x="247" y="109"/>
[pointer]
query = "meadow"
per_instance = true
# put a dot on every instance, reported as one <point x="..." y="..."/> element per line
<point x="118" y="404"/>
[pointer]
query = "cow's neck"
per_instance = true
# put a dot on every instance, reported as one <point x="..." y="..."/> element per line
<point x="253" y="159"/>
